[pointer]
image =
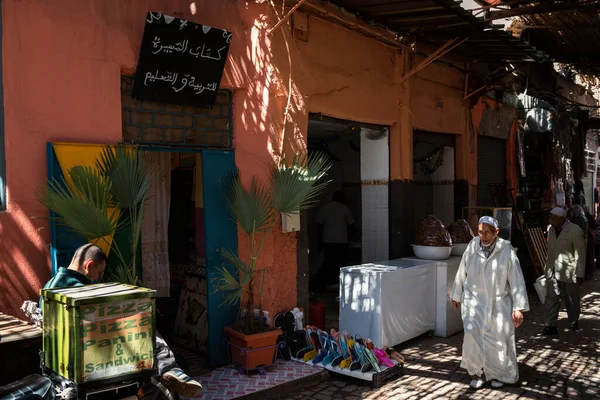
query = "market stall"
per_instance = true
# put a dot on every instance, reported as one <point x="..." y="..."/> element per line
<point x="390" y="302"/>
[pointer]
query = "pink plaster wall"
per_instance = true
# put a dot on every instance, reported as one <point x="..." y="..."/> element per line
<point x="62" y="64"/>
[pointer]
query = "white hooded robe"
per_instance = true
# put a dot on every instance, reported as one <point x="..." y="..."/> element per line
<point x="489" y="290"/>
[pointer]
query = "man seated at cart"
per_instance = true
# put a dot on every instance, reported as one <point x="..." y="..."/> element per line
<point x="87" y="267"/>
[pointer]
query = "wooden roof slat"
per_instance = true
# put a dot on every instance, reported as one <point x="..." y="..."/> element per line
<point x="398" y="8"/>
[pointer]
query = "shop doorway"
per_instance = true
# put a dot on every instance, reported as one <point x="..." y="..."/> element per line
<point x="340" y="141"/>
<point x="360" y="172"/>
<point x="190" y="312"/>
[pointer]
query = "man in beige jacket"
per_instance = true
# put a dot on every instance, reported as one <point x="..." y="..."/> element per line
<point x="565" y="270"/>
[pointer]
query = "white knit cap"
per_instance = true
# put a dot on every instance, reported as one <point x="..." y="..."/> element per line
<point x="559" y="212"/>
<point x="489" y="220"/>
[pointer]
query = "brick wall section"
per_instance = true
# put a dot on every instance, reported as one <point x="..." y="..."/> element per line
<point x="151" y="122"/>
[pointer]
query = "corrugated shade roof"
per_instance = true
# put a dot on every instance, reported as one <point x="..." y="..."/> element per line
<point x="436" y="21"/>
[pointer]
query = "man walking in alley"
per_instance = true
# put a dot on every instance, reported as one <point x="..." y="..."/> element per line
<point x="565" y="270"/>
<point x="489" y="286"/>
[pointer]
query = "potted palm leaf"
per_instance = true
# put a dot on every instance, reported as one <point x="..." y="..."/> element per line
<point x="291" y="188"/>
<point x="105" y="202"/>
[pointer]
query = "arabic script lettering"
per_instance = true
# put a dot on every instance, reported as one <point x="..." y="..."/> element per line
<point x="187" y="80"/>
<point x="183" y="47"/>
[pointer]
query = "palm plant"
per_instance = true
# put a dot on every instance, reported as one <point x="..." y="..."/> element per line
<point x="291" y="189"/>
<point x="102" y="200"/>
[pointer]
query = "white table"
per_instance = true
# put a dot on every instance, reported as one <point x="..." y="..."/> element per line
<point x="447" y="318"/>
<point x="390" y="302"/>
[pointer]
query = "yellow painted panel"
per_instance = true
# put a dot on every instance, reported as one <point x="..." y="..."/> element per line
<point x="70" y="155"/>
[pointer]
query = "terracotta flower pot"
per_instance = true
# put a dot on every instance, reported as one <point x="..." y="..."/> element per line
<point x="259" y="348"/>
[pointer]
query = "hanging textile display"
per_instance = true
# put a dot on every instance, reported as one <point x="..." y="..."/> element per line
<point x="425" y="161"/>
<point x="155" y="227"/>
<point x="521" y="150"/>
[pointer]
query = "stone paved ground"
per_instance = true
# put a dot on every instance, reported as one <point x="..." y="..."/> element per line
<point x="564" y="366"/>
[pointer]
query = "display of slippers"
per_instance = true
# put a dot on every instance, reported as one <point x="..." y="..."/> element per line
<point x="340" y="349"/>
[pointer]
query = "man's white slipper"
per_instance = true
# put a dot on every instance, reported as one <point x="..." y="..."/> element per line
<point x="477" y="383"/>
<point x="497" y="384"/>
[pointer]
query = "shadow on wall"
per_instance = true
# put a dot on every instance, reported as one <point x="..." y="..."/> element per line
<point x="270" y="119"/>
<point x="18" y="254"/>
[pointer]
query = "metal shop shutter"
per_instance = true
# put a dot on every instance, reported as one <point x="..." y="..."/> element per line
<point x="491" y="167"/>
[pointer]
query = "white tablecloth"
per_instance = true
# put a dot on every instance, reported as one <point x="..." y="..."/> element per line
<point x="390" y="302"/>
<point x="447" y="318"/>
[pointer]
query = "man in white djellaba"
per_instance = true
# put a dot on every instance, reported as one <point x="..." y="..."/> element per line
<point x="490" y="289"/>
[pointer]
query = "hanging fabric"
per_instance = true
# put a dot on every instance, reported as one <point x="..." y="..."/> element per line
<point x="155" y="227"/>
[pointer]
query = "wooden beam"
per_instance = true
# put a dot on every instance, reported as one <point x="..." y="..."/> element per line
<point x="398" y="8"/>
<point x="515" y="12"/>
<point x="436" y="55"/>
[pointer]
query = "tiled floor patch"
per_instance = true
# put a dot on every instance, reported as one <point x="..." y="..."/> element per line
<point x="228" y="383"/>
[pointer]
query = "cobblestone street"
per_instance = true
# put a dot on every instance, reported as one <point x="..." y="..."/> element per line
<point x="563" y="366"/>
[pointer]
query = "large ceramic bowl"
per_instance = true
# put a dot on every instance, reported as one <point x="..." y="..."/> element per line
<point x="459" y="248"/>
<point x="432" y="252"/>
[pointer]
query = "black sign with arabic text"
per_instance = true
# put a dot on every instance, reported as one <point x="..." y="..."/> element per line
<point x="180" y="62"/>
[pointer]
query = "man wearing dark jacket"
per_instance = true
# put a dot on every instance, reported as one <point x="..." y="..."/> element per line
<point x="87" y="267"/>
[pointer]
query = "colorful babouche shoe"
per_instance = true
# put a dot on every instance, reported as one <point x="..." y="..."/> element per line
<point x="178" y="381"/>
<point x="325" y="347"/>
<point x="347" y="361"/>
<point x="382" y="358"/>
<point x="309" y="346"/>
<point x="352" y="356"/>
<point x="371" y="356"/>
<point x="342" y="352"/>
<point x="394" y="355"/>
<point x="333" y="353"/>
<point x="309" y="356"/>
<point x="367" y="365"/>
<point x="345" y="352"/>
<point x="316" y="341"/>
<point x="313" y="336"/>
<point x="360" y="349"/>
<point x="357" y="353"/>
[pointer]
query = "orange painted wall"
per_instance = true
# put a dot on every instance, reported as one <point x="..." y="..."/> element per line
<point x="62" y="64"/>
<point x="436" y="99"/>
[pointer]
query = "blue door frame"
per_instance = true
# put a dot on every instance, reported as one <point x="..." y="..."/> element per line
<point x="220" y="229"/>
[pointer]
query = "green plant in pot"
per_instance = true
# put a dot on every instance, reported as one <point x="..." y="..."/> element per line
<point x="105" y="201"/>
<point x="292" y="187"/>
